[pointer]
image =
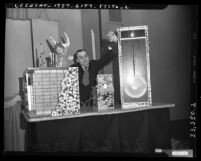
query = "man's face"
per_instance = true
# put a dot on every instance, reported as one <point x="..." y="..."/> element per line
<point x="83" y="58"/>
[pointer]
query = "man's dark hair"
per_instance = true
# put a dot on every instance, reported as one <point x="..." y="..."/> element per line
<point x="75" y="55"/>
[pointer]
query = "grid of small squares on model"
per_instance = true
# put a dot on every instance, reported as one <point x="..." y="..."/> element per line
<point x="105" y="92"/>
<point x="44" y="88"/>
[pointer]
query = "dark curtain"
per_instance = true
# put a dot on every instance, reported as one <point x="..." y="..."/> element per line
<point x="132" y="132"/>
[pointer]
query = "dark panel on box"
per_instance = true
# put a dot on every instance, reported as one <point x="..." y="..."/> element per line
<point x="134" y="71"/>
<point x="133" y="33"/>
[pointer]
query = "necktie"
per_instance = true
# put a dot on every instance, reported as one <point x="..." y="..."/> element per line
<point x="85" y="79"/>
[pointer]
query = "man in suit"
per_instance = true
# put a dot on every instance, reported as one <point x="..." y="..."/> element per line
<point x="88" y="69"/>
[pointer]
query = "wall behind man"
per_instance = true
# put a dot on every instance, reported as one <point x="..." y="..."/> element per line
<point x="70" y="21"/>
<point x="90" y="21"/>
<point x="170" y="54"/>
<point x="108" y="25"/>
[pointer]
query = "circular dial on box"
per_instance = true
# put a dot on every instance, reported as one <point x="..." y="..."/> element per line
<point x="136" y="86"/>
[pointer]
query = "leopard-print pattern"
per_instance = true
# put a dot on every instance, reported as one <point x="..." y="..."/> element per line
<point x="69" y="100"/>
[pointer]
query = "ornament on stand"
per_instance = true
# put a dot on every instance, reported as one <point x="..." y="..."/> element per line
<point x="58" y="50"/>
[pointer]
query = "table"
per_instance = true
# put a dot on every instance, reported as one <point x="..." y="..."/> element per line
<point x="136" y="130"/>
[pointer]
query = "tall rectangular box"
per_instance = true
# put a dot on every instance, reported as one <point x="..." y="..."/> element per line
<point x="134" y="66"/>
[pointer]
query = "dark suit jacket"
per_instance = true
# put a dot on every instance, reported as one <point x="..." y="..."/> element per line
<point x="94" y="67"/>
